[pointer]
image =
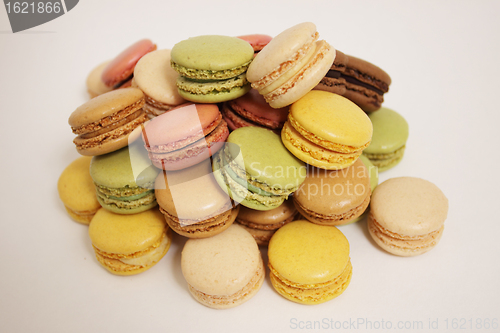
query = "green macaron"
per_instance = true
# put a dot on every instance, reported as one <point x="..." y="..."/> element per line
<point x="390" y="133"/>
<point x="256" y="169"/>
<point x="124" y="180"/>
<point x="212" y="68"/>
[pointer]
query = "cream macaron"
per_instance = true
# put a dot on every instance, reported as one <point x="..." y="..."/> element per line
<point x="223" y="271"/>
<point x="407" y="215"/>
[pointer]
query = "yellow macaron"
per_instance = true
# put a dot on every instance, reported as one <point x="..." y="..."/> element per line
<point x="309" y="263"/>
<point x="129" y="244"/>
<point x="77" y="191"/>
<point x="326" y="130"/>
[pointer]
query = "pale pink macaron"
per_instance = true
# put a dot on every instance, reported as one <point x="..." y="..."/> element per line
<point x="257" y="41"/>
<point x="119" y="71"/>
<point x="252" y="110"/>
<point x="185" y="136"/>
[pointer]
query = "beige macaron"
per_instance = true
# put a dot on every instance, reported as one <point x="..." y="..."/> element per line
<point x="407" y="215"/>
<point x="157" y="80"/>
<point x="223" y="271"/>
<point x="95" y="86"/>
<point x="77" y="191"/>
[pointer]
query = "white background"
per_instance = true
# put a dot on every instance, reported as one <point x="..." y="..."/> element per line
<point x="443" y="57"/>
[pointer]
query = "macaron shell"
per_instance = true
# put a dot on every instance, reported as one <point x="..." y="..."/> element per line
<point x="126" y="234"/>
<point x="157" y="79"/>
<point x="274" y="166"/>
<point x="273" y="216"/>
<point x="257" y="41"/>
<point x="332" y="118"/>
<point x="77" y="192"/>
<point x="95" y="86"/>
<point x="409" y="206"/>
<point x="216" y="96"/>
<point x="123" y="64"/>
<point x="390" y="131"/>
<point x="307" y="253"/>
<point x="212" y="52"/>
<point x="254" y="107"/>
<point x="223" y="264"/>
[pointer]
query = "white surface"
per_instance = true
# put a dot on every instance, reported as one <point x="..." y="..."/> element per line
<point x="443" y="60"/>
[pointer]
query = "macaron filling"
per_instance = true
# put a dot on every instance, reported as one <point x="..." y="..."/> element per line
<point x="198" y="87"/>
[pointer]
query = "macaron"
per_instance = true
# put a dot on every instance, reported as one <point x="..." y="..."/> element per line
<point x="407" y="216"/>
<point x="124" y="180"/>
<point x="185" y="136"/>
<point x="358" y="80"/>
<point x="77" y="192"/>
<point x="334" y="197"/>
<point x="104" y="123"/>
<point x="212" y="68"/>
<point x="193" y="203"/>
<point x="157" y="80"/>
<point x="120" y="70"/>
<point x="257" y="41"/>
<point x="256" y="169"/>
<point x="262" y="224"/>
<point x="309" y="263"/>
<point x="95" y="86"/>
<point x="390" y="133"/>
<point x="291" y="65"/>
<point x="129" y="244"/>
<point x="223" y="271"/>
<point x="326" y="130"/>
<point x="373" y="172"/>
<point x="252" y="109"/>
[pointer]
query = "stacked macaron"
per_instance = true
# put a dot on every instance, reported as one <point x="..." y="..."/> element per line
<point x="302" y="158"/>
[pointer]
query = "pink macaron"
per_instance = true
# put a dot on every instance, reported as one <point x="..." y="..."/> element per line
<point x="118" y="73"/>
<point x="185" y="136"/>
<point x="252" y="110"/>
<point x="257" y="41"/>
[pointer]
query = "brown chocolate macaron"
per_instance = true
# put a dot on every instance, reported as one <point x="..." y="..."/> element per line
<point x="358" y="80"/>
<point x="263" y="224"/>
<point x="193" y="203"/>
<point x="334" y="197"/>
<point x="104" y="123"/>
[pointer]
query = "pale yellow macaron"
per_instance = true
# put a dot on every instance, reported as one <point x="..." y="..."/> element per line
<point x="309" y="263"/>
<point x="129" y="244"/>
<point x="326" y="130"/>
<point x="77" y="191"/>
<point x="225" y="270"/>
<point x="95" y="86"/>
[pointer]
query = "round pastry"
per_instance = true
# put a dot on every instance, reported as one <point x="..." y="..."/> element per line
<point x="157" y="80"/>
<point x="309" y="263"/>
<point x="185" y="136"/>
<point x="129" y="244"/>
<point x="193" y="203"/>
<point x="292" y="64"/>
<point x="124" y="180"/>
<point x="95" y="86"/>
<point x="257" y="41"/>
<point x="255" y="169"/>
<point x="326" y="130"/>
<point x="407" y="216"/>
<point x="77" y="192"/>
<point x="390" y="133"/>
<point x="223" y="271"/>
<point x="334" y="197"/>
<point x="104" y="123"/>
<point x="212" y="68"/>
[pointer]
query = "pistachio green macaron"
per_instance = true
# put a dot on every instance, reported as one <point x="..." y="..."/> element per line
<point x="256" y="169"/>
<point x="124" y="180"/>
<point x="212" y="68"/>
<point x="390" y="133"/>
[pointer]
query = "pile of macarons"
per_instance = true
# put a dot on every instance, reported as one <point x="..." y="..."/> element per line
<point x="241" y="142"/>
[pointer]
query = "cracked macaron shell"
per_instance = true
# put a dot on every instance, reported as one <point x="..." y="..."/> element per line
<point x="332" y="118"/>
<point x="307" y="253"/>
<point x="274" y="165"/>
<point x="128" y="167"/>
<point x="390" y="132"/>
<point x="126" y="234"/>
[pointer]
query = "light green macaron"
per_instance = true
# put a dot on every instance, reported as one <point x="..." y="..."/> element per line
<point x="390" y="133"/>
<point x="124" y="180"/>
<point x="212" y="68"/>
<point x="256" y="169"/>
